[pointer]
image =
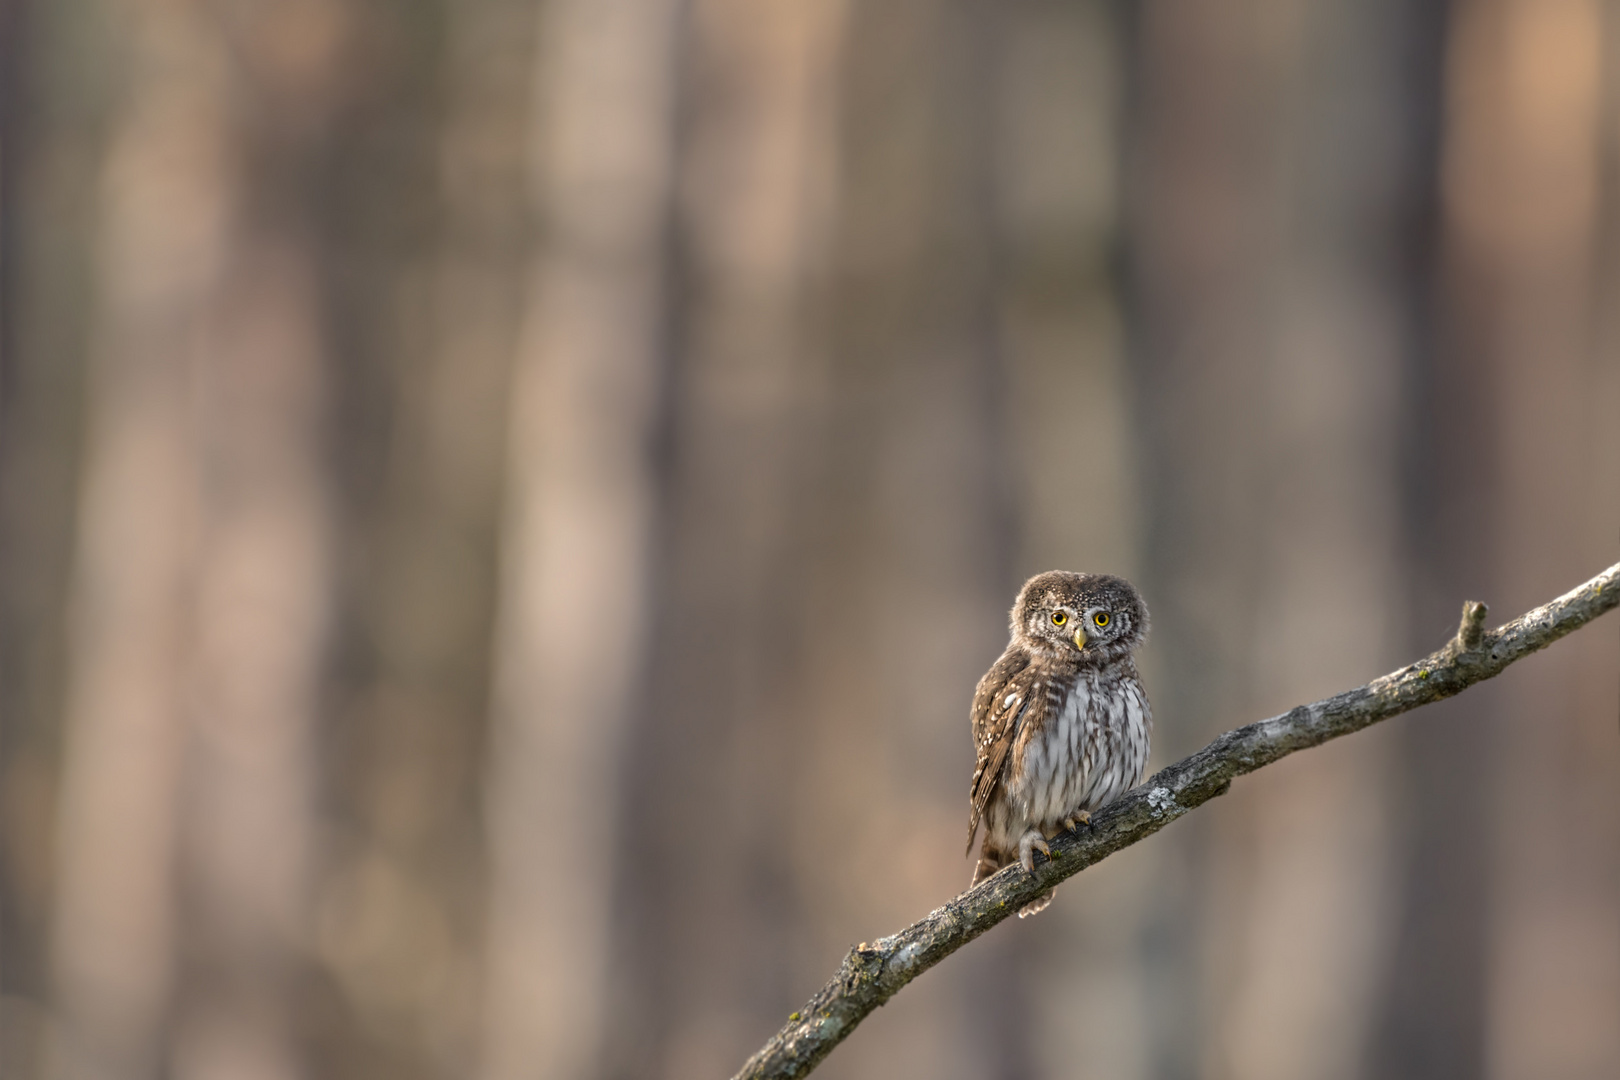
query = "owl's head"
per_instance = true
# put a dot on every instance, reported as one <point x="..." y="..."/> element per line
<point x="1099" y="616"/>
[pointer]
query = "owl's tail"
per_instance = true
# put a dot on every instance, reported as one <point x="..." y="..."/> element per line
<point x="1040" y="903"/>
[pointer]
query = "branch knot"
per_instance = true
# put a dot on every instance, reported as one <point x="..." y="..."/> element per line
<point x="1471" y="631"/>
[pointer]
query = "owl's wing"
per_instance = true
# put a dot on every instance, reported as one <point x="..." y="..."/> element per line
<point x="999" y="702"/>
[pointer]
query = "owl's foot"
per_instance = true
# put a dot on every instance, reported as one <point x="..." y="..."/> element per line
<point x="1073" y="822"/>
<point x="1028" y="844"/>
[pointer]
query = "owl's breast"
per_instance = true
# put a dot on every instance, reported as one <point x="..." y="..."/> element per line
<point x="1088" y="748"/>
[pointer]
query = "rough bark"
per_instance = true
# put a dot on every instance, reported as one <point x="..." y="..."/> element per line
<point x="872" y="973"/>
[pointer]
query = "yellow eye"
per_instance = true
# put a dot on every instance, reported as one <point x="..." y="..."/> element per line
<point x="1058" y="618"/>
<point x="1101" y="618"/>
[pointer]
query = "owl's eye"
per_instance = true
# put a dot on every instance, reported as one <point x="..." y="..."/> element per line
<point x="1059" y="618"/>
<point x="1101" y="618"/>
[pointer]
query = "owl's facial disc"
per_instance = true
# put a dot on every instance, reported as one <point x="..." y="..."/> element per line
<point x="1100" y="616"/>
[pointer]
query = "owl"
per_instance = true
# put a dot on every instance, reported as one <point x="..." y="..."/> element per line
<point x="1060" y="723"/>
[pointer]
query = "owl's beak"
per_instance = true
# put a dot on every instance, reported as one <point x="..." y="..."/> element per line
<point x="1080" y="637"/>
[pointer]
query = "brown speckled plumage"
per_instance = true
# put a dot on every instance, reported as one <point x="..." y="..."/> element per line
<point x="1061" y="724"/>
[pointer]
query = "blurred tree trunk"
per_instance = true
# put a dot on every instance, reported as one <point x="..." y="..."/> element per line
<point x="577" y="604"/>
<point x="907" y="544"/>
<point x="1433" y="1016"/>
<point x="1267" y="160"/>
<point x="428" y="238"/>
<point x="1197" y="369"/>
<point x="1075" y="976"/>
<point x="202" y="563"/>
<point x="1523" y="180"/>
<point x="709" y="760"/>
<point x="794" y="781"/>
<point x="50" y="122"/>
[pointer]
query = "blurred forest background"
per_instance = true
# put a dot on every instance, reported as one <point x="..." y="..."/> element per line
<point x="503" y="505"/>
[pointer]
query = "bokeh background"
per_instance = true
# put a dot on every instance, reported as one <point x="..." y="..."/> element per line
<point x="503" y="504"/>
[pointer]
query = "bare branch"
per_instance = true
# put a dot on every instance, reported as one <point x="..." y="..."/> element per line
<point x="873" y="973"/>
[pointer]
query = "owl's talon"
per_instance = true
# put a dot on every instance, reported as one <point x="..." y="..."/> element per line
<point x="1077" y="819"/>
<point x="1028" y="845"/>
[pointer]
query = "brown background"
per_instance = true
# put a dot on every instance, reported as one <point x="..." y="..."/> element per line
<point x="503" y="505"/>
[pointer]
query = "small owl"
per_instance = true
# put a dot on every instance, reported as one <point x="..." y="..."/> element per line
<point x="1060" y="723"/>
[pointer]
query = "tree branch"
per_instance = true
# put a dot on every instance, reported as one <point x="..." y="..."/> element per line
<point x="873" y="973"/>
